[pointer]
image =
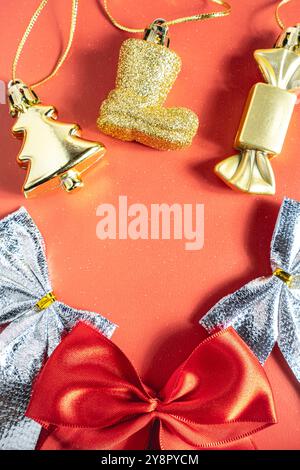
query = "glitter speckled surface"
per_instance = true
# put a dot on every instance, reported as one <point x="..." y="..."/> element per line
<point x="135" y="109"/>
<point x="266" y="310"/>
<point x="30" y="336"/>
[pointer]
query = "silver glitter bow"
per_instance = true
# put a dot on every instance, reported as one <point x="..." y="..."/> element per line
<point x="31" y="335"/>
<point x="267" y="309"/>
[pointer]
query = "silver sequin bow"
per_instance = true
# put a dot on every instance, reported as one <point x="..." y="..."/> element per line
<point x="31" y="335"/>
<point x="267" y="309"/>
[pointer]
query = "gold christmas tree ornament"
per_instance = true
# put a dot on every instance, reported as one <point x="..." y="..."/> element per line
<point x="53" y="152"/>
<point x="135" y="110"/>
<point x="266" y="117"/>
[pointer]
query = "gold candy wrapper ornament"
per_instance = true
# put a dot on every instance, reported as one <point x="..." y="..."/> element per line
<point x="53" y="152"/>
<point x="135" y="110"/>
<point x="266" y="118"/>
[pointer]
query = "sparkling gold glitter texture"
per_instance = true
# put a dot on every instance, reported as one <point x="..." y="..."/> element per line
<point x="266" y="118"/>
<point x="135" y="110"/>
<point x="53" y="152"/>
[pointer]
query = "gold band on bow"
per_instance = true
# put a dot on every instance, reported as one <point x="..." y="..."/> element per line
<point x="46" y="301"/>
<point x="283" y="276"/>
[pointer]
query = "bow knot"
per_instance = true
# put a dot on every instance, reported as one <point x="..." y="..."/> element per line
<point x="46" y="301"/>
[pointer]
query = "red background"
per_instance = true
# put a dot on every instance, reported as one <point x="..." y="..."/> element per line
<point x="155" y="290"/>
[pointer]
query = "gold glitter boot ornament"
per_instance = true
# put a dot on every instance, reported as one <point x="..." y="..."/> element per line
<point x="147" y="70"/>
<point x="266" y="117"/>
<point x="53" y="152"/>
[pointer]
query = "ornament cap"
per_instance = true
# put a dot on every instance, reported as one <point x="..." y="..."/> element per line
<point x="158" y="33"/>
<point x="21" y="97"/>
<point x="71" y="180"/>
<point x="290" y="39"/>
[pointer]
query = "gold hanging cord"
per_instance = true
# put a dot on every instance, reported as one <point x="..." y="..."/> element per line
<point x="277" y="13"/>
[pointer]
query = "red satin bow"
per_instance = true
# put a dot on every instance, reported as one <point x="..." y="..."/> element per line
<point x="89" y="396"/>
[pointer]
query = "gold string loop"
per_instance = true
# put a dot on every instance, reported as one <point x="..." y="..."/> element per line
<point x="277" y="13"/>
<point x="185" y="19"/>
<point x="27" y="33"/>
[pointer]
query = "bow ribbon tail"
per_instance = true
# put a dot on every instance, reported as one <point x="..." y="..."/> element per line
<point x="89" y="396"/>
<point x="36" y="322"/>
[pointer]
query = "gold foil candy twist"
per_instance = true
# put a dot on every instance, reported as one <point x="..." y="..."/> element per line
<point x="266" y="310"/>
<point x="27" y="32"/>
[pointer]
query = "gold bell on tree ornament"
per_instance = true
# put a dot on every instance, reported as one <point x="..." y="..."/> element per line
<point x="266" y="118"/>
<point x="53" y="152"/>
<point x="134" y="110"/>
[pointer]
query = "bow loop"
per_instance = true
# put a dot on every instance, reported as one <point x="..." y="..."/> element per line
<point x="267" y="309"/>
<point x="218" y="396"/>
